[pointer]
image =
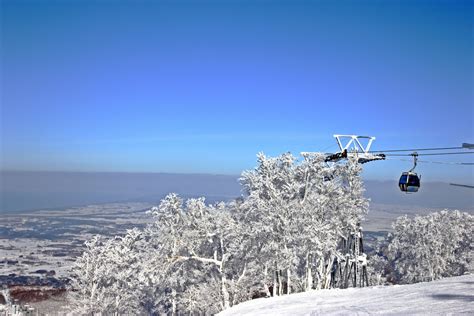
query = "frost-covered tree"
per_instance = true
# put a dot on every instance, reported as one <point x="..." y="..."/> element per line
<point x="298" y="212"/>
<point x="376" y="269"/>
<point x="206" y="249"/>
<point x="425" y="248"/>
<point x="166" y="238"/>
<point x="106" y="278"/>
<point x="280" y="237"/>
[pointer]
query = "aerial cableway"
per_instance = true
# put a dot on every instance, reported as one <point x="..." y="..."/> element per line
<point x="349" y="265"/>
<point x="352" y="147"/>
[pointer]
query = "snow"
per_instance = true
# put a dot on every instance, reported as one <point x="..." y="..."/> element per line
<point x="447" y="296"/>
<point x="52" y="239"/>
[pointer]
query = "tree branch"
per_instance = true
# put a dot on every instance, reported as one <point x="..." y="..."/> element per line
<point x="204" y="260"/>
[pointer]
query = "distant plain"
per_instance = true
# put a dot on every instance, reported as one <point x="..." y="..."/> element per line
<point x="45" y="217"/>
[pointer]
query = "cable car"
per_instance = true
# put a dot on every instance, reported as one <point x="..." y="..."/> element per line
<point x="409" y="181"/>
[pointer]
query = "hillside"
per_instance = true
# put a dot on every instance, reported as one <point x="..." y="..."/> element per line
<point x="450" y="295"/>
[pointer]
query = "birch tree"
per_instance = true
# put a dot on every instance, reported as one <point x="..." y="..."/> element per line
<point x="106" y="276"/>
<point x="426" y="248"/>
<point x="280" y="237"/>
<point x="299" y="211"/>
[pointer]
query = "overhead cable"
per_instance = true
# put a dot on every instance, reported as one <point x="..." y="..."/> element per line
<point x="436" y="162"/>
<point x="415" y="149"/>
<point x="434" y="154"/>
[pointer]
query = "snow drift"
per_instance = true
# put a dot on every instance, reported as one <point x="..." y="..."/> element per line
<point x="447" y="296"/>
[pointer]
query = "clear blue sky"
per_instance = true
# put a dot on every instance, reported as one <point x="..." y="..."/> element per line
<point x="202" y="86"/>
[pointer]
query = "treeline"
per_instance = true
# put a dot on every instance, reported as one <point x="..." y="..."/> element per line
<point x="280" y="237"/>
<point x="426" y="248"/>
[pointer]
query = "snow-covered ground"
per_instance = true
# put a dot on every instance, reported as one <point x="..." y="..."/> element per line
<point x="448" y="296"/>
<point x="52" y="239"/>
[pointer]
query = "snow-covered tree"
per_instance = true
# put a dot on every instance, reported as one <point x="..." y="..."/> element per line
<point x="376" y="269"/>
<point x="206" y="249"/>
<point x="425" y="248"/>
<point x="106" y="278"/>
<point x="299" y="212"/>
<point x="280" y="237"/>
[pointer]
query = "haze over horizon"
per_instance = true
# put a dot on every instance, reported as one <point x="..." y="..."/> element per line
<point x="201" y="87"/>
<point x="27" y="191"/>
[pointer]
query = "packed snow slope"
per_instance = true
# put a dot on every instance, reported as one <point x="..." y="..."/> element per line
<point x="448" y="296"/>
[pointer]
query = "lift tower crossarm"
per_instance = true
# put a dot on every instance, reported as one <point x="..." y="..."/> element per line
<point x="354" y="148"/>
<point x="354" y="140"/>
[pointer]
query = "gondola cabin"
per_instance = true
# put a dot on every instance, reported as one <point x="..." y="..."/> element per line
<point x="409" y="182"/>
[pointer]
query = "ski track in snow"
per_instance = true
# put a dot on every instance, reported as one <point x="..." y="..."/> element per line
<point x="447" y="296"/>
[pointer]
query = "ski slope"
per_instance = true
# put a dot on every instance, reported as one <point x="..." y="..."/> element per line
<point x="448" y="296"/>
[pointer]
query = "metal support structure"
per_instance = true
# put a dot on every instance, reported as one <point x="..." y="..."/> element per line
<point x="354" y="140"/>
<point x="351" y="147"/>
<point x="415" y="160"/>
<point x="350" y="265"/>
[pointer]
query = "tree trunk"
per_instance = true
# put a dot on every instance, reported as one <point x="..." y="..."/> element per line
<point x="275" y="283"/>
<point x="309" y="279"/>
<point x="173" y="302"/>
<point x="288" y="286"/>
<point x="280" y="283"/>
<point x="309" y="273"/>
<point x="320" y="273"/>
<point x="225" y="293"/>
<point x="328" y="272"/>
<point x="265" y="286"/>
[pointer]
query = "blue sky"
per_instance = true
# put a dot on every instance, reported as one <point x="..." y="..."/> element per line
<point x="202" y="86"/>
